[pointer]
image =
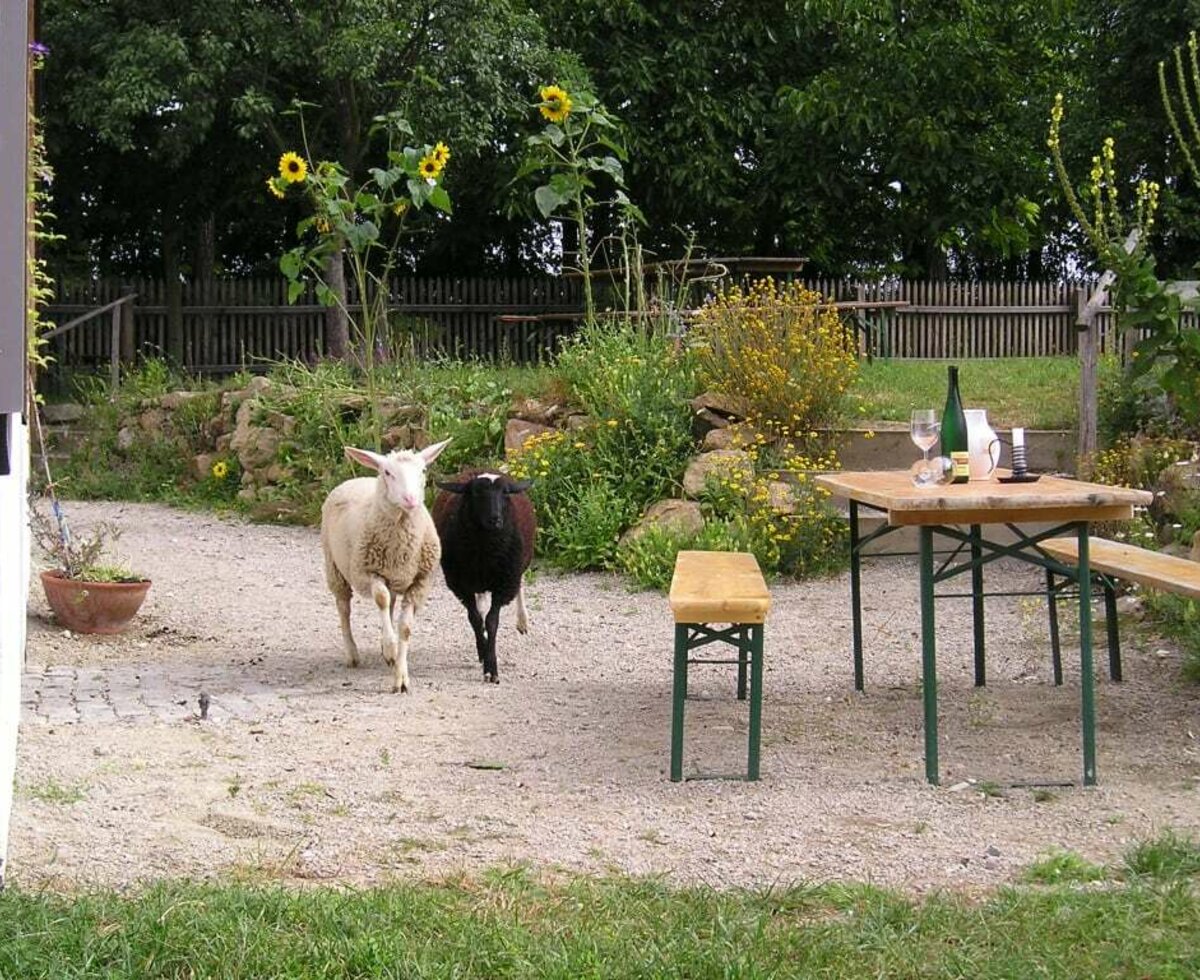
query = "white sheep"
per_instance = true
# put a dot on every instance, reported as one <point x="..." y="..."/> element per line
<point x="379" y="541"/>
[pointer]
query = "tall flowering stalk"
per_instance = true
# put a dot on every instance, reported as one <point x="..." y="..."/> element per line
<point x="578" y="148"/>
<point x="367" y="218"/>
<point x="1122" y="245"/>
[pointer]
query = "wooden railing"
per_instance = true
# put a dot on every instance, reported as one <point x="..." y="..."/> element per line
<point x="120" y="340"/>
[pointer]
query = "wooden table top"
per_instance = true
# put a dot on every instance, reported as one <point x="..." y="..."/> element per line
<point x="1051" y="498"/>
<point x="718" y="587"/>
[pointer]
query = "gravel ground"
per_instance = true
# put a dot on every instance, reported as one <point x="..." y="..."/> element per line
<point x="307" y="770"/>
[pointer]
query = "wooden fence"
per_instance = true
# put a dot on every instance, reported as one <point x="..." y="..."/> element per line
<point x="235" y="324"/>
<point x="245" y="323"/>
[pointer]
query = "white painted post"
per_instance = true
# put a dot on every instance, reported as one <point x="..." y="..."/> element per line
<point x="15" y="20"/>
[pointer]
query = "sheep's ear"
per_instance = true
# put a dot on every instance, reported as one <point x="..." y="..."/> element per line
<point x="518" y="486"/>
<point x="453" y="487"/>
<point x="369" y="459"/>
<point x="430" y="453"/>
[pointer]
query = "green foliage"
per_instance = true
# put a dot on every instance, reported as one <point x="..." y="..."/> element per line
<point x="511" y="923"/>
<point x="591" y="484"/>
<point x="1178" y="618"/>
<point x="1062" y="868"/>
<point x="1165" y="858"/>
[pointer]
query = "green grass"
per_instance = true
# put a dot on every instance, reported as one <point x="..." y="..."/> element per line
<point x="510" y="923"/>
<point x="1035" y="392"/>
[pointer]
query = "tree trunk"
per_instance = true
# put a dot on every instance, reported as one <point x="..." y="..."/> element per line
<point x="170" y="257"/>
<point x="337" y="324"/>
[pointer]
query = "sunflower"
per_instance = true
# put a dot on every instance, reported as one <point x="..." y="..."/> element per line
<point x="429" y="167"/>
<point x="322" y="225"/>
<point x="556" y="104"/>
<point x="220" y="469"/>
<point x="400" y="208"/>
<point x="274" y="188"/>
<point x="292" y="168"/>
<point x="441" y="153"/>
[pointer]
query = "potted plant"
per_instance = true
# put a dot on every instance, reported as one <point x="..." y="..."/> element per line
<point x="86" y="594"/>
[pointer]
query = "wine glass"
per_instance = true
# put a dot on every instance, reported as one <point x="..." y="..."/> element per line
<point x="924" y="429"/>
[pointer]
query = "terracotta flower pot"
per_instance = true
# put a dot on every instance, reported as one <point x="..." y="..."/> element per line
<point x="93" y="607"/>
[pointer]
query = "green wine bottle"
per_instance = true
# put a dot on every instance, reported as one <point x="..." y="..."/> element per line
<point x="954" y="431"/>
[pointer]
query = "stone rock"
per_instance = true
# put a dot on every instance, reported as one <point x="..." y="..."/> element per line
<point x="153" y="421"/>
<point x="173" y="399"/>
<point x="721" y="462"/>
<point x="201" y="466"/>
<point x="576" y="422"/>
<point x="518" y="431"/>
<point x="62" y="413"/>
<point x="284" y="424"/>
<point x="247" y="495"/>
<point x="275" y="473"/>
<point x="732" y="407"/>
<point x="781" y="497"/>
<point x="1176" y="549"/>
<point x="396" y="411"/>
<point x="404" y="437"/>
<point x="1194" y="555"/>
<point x="678" y="516"/>
<point x="223" y="441"/>
<point x="732" y="435"/>
<point x="718" y="439"/>
<point x="255" y="445"/>
<point x="126" y="437"/>
<point x="1132" y="606"/>
<point x="704" y="422"/>
<point x="535" y="410"/>
<point x="1176" y="489"/>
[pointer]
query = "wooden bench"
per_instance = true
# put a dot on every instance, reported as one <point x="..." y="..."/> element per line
<point x="718" y="587"/>
<point x="1110" y="560"/>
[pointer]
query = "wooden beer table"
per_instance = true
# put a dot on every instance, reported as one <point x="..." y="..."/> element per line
<point x="1069" y="506"/>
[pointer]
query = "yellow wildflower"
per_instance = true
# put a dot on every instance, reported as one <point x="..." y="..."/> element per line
<point x="556" y="104"/>
<point x="220" y="469"/>
<point x="292" y="168"/>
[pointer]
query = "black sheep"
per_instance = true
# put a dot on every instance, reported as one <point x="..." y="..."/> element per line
<point x="487" y="525"/>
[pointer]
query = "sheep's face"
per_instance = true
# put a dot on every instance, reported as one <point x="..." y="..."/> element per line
<point x="486" y="498"/>
<point x="401" y="479"/>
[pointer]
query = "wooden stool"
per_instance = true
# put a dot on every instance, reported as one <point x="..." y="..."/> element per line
<point x="718" y="587"/>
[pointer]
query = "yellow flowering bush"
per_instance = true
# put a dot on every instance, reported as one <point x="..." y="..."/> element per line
<point x="776" y="347"/>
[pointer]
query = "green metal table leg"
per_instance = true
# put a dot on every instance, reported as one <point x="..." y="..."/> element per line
<point x="856" y="597"/>
<point x="1055" y="646"/>
<point x="743" y="656"/>
<point x="977" y="604"/>
<point x="1087" y="681"/>
<point x="929" y="656"/>
<point x="1114" y="631"/>
<point x="756" y="685"/>
<point x="679" y="691"/>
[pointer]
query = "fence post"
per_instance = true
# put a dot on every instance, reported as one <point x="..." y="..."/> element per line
<point x="128" y="340"/>
<point x="114" y="351"/>
<point x="1085" y="324"/>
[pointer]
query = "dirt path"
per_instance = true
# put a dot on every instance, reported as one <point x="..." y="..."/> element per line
<point x="308" y="770"/>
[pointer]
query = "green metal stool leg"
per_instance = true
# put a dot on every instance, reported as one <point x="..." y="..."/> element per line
<point x="977" y="604"/>
<point x="929" y="657"/>
<point x="756" y="685"/>
<point x="1087" y="680"/>
<point x="856" y="597"/>
<point x="1055" y="646"/>
<point x="1114" y="631"/>
<point x="679" y="696"/>
<point x="743" y="659"/>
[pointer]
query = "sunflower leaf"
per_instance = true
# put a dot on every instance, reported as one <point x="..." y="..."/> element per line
<point x="295" y="288"/>
<point x="549" y="200"/>
<point x="440" y="199"/>
<point x="289" y="265"/>
<point x="555" y="134"/>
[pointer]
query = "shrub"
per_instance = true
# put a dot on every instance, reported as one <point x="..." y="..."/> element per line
<point x="775" y="347"/>
<point x="591" y="484"/>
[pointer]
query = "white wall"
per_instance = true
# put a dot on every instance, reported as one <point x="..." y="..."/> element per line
<point x="14" y="590"/>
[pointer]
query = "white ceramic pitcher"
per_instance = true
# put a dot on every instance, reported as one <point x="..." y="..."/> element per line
<point x="983" y="447"/>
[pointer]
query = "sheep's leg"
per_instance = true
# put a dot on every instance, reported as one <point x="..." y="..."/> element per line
<point x="522" y="615"/>
<point x="343" y="607"/>
<point x="383" y="601"/>
<point x="404" y="631"/>
<point x="490" y="671"/>
<point x="476" y="621"/>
